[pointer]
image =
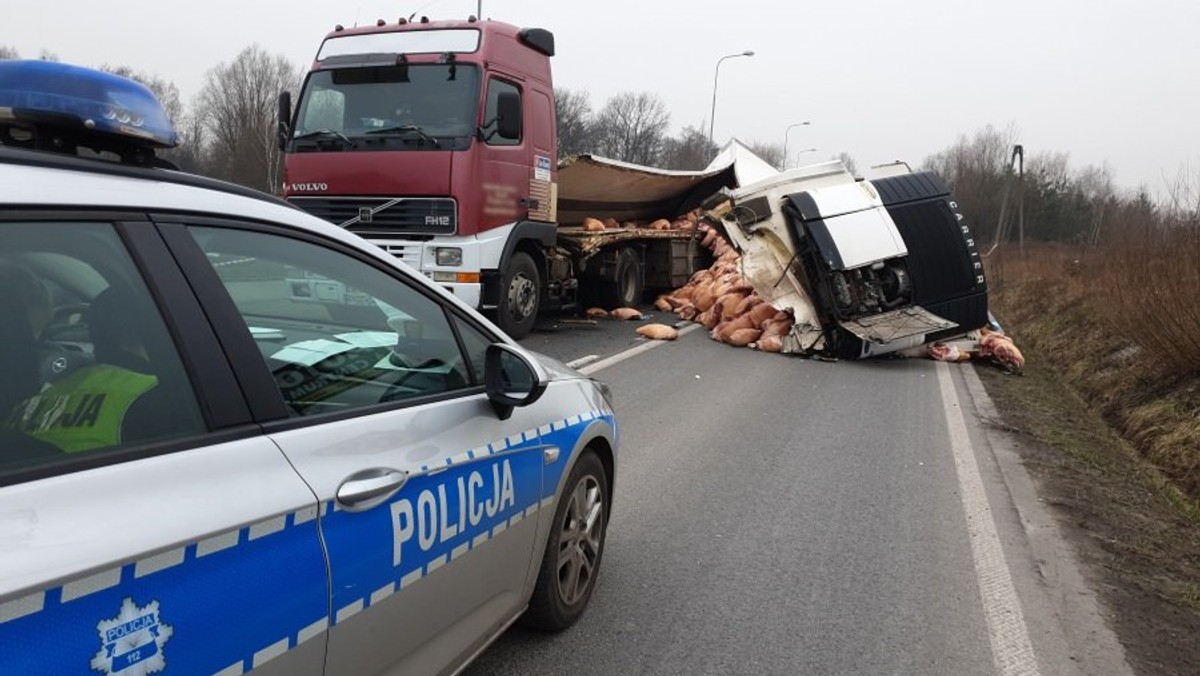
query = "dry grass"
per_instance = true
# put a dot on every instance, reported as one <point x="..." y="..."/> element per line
<point x="1121" y="325"/>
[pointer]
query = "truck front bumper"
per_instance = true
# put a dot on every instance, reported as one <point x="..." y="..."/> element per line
<point x="471" y="294"/>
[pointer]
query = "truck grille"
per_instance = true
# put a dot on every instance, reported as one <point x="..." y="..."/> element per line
<point x="385" y="216"/>
<point x="409" y="253"/>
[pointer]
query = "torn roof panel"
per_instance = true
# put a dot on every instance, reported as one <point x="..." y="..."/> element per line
<point x="589" y="185"/>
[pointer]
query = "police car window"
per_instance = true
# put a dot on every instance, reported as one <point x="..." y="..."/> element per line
<point x="88" y="363"/>
<point x="336" y="333"/>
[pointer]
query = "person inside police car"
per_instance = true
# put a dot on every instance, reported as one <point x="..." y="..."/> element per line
<point x="104" y="403"/>
<point x="25" y="309"/>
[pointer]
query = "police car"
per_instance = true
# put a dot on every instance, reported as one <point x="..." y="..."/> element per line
<point x="237" y="438"/>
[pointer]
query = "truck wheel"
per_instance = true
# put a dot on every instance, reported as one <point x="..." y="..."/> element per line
<point x="519" y="296"/>
<point x="573" y="550"/>
<point x="626" y="288"/>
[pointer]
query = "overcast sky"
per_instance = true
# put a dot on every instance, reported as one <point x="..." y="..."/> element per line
<point x="1107" y="82"/>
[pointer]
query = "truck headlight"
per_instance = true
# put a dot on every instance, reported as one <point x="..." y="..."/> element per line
<point x="450" y="256"/>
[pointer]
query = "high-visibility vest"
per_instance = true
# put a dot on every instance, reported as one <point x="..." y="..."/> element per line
<point x="84" y="410"/>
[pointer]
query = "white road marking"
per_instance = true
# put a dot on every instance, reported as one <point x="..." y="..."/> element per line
<point x="583" y="361"/>
<point x="1012" y="650"/>
<point x="631" y="352"/>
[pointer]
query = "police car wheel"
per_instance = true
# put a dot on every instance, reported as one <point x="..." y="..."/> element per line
<point x="576" y="544"/>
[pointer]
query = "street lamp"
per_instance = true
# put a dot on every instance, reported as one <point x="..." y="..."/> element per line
<point x="801" y="152"/>
<point x="712" y="117"/>
<point x="785" y="137"/>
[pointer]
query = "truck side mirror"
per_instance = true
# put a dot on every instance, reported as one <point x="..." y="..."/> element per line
<point x="284" y="129"/>
<point x="508" y="115"/>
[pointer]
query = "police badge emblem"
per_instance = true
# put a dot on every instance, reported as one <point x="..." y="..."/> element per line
<point x="131" y="644"/>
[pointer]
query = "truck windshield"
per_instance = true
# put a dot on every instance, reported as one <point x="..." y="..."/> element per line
<point x="394" y="107"/>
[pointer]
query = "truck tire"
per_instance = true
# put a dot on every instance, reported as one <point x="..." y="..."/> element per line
<point x="571" y="562"/>
<point x="520" y="296"/>
<point x="625" y="290"/>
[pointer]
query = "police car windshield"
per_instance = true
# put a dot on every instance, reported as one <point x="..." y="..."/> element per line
<point x="365" y="102"/>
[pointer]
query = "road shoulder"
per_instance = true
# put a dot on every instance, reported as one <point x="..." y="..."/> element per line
<point x="1097" y="518"/>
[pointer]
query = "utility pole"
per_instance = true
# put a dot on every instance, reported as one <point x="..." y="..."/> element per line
<point x="1018" y="155"/>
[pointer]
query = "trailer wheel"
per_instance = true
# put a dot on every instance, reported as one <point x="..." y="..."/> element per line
<point x="626" y="288"/>
<point x="520" y="294"/>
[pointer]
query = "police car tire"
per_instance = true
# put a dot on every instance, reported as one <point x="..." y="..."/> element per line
<point x="547" y="610"/>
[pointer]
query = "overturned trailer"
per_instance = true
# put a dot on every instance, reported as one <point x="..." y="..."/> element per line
<point x="866" y="267"/>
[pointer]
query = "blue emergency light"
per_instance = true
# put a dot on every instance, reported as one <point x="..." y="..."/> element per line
<point x="47" y="94"/>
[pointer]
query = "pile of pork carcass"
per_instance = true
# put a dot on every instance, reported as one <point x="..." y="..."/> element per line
<point x="686" y="222"/>
<point x="719" y="298"/>
<point x="991" y="345"/>
<point x="724" y="302"/>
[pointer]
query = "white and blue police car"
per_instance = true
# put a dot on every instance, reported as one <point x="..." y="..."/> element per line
<point x="237" y="438"/>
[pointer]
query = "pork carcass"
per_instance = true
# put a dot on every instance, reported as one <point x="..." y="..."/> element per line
<point x="625" y="314"/>
<point x="658" y="332"/>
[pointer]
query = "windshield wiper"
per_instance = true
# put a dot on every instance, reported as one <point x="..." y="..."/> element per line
<point x="326" y="133"/>
<point x="405" y="129"/>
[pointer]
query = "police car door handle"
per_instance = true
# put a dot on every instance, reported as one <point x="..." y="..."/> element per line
<point x="370" y="487"/>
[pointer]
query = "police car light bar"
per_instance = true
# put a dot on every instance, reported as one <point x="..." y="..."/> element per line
<point x="49" y="94"/>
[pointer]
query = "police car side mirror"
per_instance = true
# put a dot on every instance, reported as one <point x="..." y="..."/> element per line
<point x="511" y="379"/>
<point x="285" y="118"/>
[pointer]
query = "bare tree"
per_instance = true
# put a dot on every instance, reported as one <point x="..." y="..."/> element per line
<point x="848" y="162"/>
<point x="8" y="53"/>
<point x="977" y="169"/>
<point x="194" y="153"/>
<point x="771" y="153"/>
<point x="689" y="151"/>
<point x="165" y="91"/>
<point x="48" y="55"/>
<point x="574" y="112"/>
<point x="632" y="128"/>
<point x="186" y="155"/>
<point x="237" y="108"/>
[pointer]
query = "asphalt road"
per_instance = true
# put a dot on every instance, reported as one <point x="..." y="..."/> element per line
<point x="781" y="516"/>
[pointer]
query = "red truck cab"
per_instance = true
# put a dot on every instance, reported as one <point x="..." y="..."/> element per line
<point x="436" y="141"/>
